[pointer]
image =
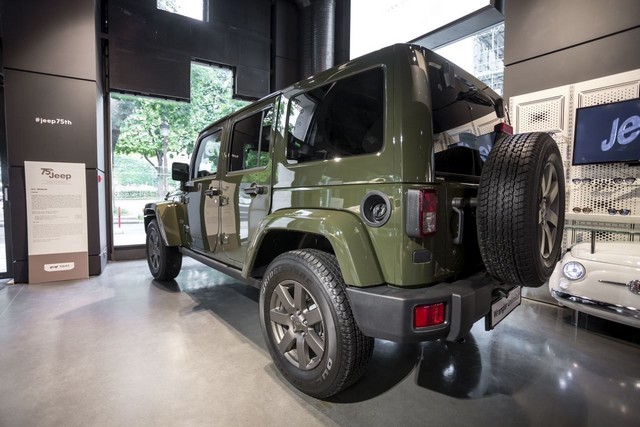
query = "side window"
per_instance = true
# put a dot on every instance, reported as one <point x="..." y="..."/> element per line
<point x="341" y="119"/>
<point x="208" y="154"/>
<point x="250" y="141"/>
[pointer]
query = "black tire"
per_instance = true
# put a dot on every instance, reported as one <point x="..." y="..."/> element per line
<point x="327" y="353"/>
<point x="164" y="261"/>
<point x="521" y="204"/>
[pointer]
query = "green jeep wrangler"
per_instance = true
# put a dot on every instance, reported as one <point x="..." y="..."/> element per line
<point x="382" y="198"/>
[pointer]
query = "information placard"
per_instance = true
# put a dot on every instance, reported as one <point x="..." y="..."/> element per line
<point x="56" y="196"/>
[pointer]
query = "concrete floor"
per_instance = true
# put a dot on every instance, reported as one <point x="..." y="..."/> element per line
<point x="123" y="350"/>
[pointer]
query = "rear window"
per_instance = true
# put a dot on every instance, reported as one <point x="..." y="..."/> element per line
<point x="340" y="119"/>
<point x="462" y="123"/>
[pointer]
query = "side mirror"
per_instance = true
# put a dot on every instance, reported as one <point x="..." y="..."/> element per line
<point x="180" y="172"/>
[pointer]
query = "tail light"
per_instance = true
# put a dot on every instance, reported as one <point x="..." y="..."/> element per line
<point x="428" y="315"/>
<point x="421" y="212"/>
<point x="503" y="128"/>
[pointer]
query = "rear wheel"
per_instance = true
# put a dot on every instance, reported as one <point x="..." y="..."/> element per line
<point x="164" y="261"/>
<point x="308" y="325"/>
<point x="521" y="204"/>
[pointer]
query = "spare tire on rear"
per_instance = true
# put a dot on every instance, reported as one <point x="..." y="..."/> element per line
<point x="521" y="202"/>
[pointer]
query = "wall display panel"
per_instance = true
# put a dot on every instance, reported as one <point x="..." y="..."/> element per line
<point x="605" y="196"/>
<point x="548" y="111"/>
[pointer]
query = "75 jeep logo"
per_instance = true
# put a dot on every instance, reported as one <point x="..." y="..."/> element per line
<point x="51" y="174"/>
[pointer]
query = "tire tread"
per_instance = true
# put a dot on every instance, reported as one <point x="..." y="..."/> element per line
<point x="506" y="209"/>
<point x="356" y="348"/>
<point x="170" y="257"/>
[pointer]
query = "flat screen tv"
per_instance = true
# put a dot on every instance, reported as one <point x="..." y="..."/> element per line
<point x="607" y="133"/>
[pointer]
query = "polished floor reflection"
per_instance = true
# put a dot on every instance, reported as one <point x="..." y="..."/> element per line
<point x="121" y="349"/>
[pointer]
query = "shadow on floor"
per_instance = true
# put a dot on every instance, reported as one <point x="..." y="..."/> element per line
<point x="603" y="327"/>
<point x="485" y="364"/>
<point x="234" y="303"/>
<point x="389" y="365"/>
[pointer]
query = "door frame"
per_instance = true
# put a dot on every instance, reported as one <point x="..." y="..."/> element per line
<point x="4" y="188"/>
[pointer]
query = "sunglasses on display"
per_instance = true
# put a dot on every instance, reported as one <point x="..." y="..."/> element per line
<point x="583" y="210"/>
<point x="582" y="180"/>
<point x="623" y="212"/>
<point x="627" y="180"/>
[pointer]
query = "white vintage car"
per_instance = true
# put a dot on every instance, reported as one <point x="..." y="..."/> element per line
<point x="603" y="280"/>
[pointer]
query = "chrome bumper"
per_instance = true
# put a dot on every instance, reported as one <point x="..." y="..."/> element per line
<point x="598" y="305"/>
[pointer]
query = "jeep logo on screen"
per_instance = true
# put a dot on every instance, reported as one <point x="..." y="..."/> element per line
<point x="607" y="133"/>
<point x="628" y="132"/>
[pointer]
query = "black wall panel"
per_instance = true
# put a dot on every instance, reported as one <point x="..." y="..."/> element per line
<point x="50" y="118"/>
<point x="537" y="27"/>
<point x="17" y="196"/>
<point x="606" y="56"/>
<point x="144" y="40"/>
<point x="343" y="31"/>
<point x="54" y="107"/>
<point x="551" y="43"/>
<point x="149" y="71"/>
<point x="53" y="37"/>
<point x="286" y="32"/>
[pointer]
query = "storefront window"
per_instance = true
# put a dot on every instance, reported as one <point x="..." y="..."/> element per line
<point x="190" y="8"/>
<point x="380" y="23"/>
<point x="481" y="54"/>
<point x="148" y="135"/>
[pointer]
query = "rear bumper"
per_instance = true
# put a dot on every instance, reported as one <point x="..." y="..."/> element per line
<point x="387" y="312"/>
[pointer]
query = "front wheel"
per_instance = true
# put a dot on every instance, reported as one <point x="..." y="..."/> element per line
<point x="164" y="261"/>
<point x="308" y="324"/>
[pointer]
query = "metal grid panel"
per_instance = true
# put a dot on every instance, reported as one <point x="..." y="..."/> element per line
<point x="547" y="111"/>
<point x="602" y="193"/>
<point x="605" y="95"/>
<point x="583" y="234"/>
<point x="541" y="115"/>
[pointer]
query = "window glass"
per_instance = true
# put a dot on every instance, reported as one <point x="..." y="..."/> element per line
<point x="461" y="114"/>
<point x="148" y="134"/>
<point x="190" y="8"/>
<point x="481" y="54"/>
<point x="380" y="23"/>
<point x="338" y="120"/>
<point x="208" y="154"/>
<point x="250" y="141"/>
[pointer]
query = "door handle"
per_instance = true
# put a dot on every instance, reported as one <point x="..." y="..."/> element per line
<point x="212" y="192"/>
<point x="255" y="189"/>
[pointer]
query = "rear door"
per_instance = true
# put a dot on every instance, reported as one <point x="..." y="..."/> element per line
<point x="203" y="199"/>
<point x="245" y="197"/>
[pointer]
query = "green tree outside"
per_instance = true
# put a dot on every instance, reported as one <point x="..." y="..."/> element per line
<point x="138" y="122"/>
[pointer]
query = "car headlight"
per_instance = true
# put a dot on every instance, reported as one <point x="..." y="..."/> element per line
<point x="573" y="270"/>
